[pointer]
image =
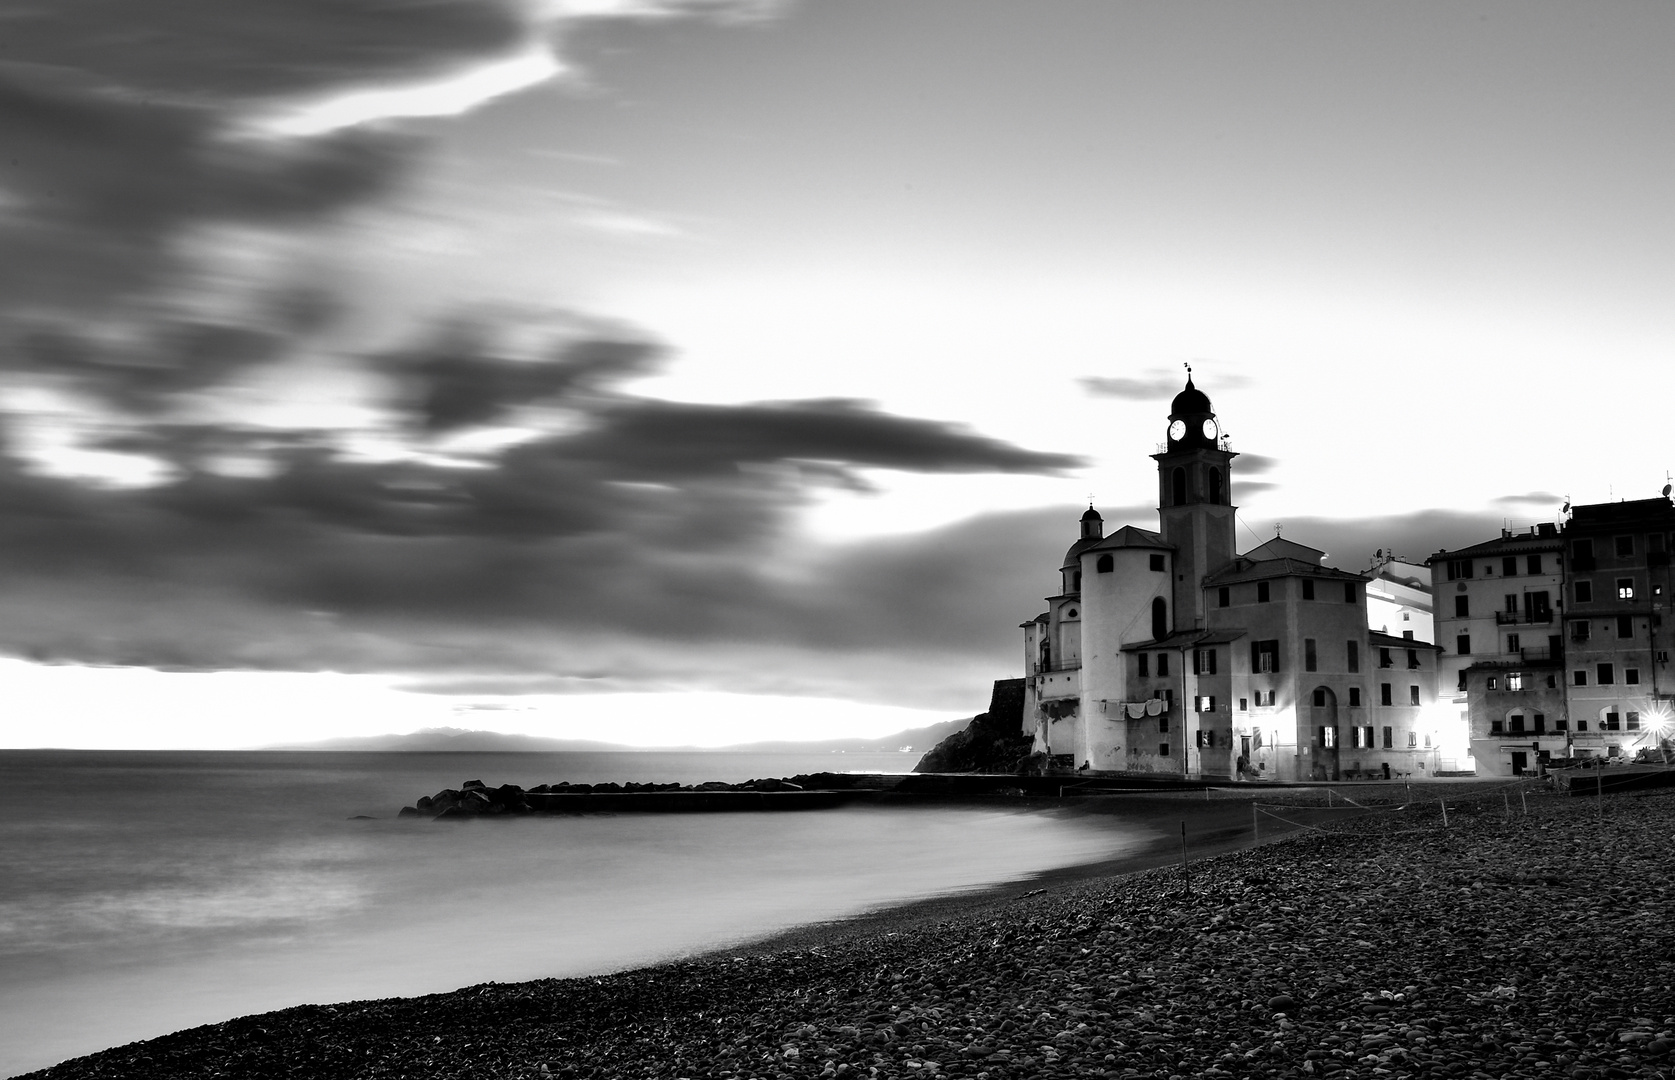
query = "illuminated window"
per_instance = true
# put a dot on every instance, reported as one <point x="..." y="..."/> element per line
<point x="1625" y="588"/>
<point x="1515" y="680"/>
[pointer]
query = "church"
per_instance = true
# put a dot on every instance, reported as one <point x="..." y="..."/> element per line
<point x="1170" y="652"/>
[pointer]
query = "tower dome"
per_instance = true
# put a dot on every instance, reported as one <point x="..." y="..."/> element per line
<point x="1093" y="526"/>
<point x="1190" y="402"/>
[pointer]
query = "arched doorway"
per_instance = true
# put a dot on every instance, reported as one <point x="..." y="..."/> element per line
<point x="1323" y="734"/>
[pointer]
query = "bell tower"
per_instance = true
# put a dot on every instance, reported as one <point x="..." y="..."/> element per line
<point x="1194" y="504"/>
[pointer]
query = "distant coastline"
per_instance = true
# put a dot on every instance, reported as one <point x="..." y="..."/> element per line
<point x="913" y="742"/>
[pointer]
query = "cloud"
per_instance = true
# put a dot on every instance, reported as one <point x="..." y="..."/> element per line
<point x="1531" y="498"/>
<point x="1156" y="384"/>
<point x="1254" y="465"/>
<point x="632" y="520"/>
<point x="1414" y="537"/>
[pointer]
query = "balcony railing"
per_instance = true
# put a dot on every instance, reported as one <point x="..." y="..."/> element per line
<point x="1527" y="618"/>
<point x="1059" y="665"/>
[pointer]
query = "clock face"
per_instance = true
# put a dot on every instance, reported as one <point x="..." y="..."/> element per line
<point x="1177" y="430"/>
<point x="1210" y="430"/>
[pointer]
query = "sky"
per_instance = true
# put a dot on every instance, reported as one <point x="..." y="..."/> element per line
<point x="695" y="372"/>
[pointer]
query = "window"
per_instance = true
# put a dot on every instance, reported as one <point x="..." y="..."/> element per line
<point x="1625" y="547"/>
<point x="1203" y="661"/>
<point x="1613" y="721"/>
<point x="1509" y="603"/>
<point x="1492" y="683"/>
<point x="1512" y="642"/>
<point x="1326" y="735"/>
<point x="1383" y="657"/>
<point x="1389" y="737"/>
<point x="1579" y="678"/>
<point x="1497" y="727"/>
<point x="1515" y="680"/>
<point x="1145" y="665"/>
<point x="1461" y="684"/>
<point x="1412" y="658"/>
<point x="1580" y="631"/>
<point x="1163" y="724"/>
<point x="1413" y="695"/>
<point x="1177" y="486"/>
<point x="1581" y="725"/>
<point x="1160" y="619"/>
<point x="1633" y="723"/>
<point x="1206" y="738"/>
<point x="1104" y="565"/>
<point x="1459" y="568"/>
<point x="1224" y="596"/>
<point x="1631" y="676"/>
<point x="1308" y="589"/>
<point x="1156" y="562"/>
<point x="1355" y="736"/>
<point x="1369" y="737"/>
<point x="1561" y="725"/>
<point x="1625" y="626"/>
<point x="1384" y="694"/>
<point x="1349" y="592"/>
<point x="1412" y="739"/>
<point x="1162" y="664"/>
<point x="1509" y="566"/>
<point x="1262" y="595"/>
<point x="1244" y="704"/>
<point x="1310" y="659"/>
<point x="1320" y="697"/>
<point x="1462" y="607"/>
<point x="1076" y="583"/>
<point x="1625" y="588"/>
<point x="1540" y="723"/>
<point x="1462" y="645"/>
<point x="1352" y="656"/>
<point x="1205" y="703"/>
<point x="1584" y="591"/>
<point x="1162" y="749"/>
<point x="1354" y="696"/>
<point x="1265" y="655"/>
<point x="1516" y="723"/>
<point x="1606" y="674"/>
<point x="1264" y="699"/>
<point x="1532" y="564"/>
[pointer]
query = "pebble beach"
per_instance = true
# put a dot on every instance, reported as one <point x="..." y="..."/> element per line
<point x="1533" y="935"/>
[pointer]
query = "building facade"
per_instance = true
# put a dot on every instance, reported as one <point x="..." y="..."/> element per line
<point x="1496" y="607"/>
<point x="1170" y="652"/>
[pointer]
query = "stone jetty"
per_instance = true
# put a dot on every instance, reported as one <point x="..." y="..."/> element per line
<point x="1533" y="935"/>
<point x="808" y="791"/>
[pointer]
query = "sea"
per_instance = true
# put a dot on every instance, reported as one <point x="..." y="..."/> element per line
<point x="143" y="892"/>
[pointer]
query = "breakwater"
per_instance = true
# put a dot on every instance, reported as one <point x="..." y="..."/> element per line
<point x="807" y="791"/>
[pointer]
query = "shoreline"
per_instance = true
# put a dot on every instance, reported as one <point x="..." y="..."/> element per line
<point x="1132" y="976"/>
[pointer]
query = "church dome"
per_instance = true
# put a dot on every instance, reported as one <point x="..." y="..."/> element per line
<point x="1092" y="515"/>
<point x="1190" y="402"/>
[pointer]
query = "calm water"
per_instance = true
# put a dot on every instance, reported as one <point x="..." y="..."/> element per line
<point x="144" y="892"/>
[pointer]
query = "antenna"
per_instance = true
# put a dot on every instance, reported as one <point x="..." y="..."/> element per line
<point x="1277" y="528"/>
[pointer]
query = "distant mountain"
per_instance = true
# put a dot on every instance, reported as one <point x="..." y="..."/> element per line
<point x="459" y="740"/>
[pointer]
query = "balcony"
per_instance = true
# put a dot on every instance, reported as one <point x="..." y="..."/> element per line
<point x="1524" y="618"/>
<point x="1059" y="665"/>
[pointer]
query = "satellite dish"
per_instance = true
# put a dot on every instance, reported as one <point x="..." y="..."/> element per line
<point x="1666" y="491"/>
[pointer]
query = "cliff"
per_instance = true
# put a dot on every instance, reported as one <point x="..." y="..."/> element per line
<point x="993" y="742"/>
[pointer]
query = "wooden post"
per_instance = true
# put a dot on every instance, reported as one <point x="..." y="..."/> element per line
<point x="1525" y="800"/>
<point x="1186" y="879"/>
<point x="1255" y="825"/>
<point x="1444" y="803"/>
